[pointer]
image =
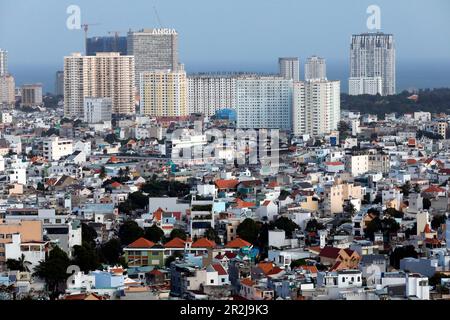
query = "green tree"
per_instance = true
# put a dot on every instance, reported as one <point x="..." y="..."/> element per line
<point x="298" y="263"/>
<point x="54" y="271"/>
<point x="350" y="209"/>
<point x="400" y="253"/>
<point x="394" y="213"/>
<point x="102" y="172"/>
<point x="313" y="226"/>
<point x="426" y="203"/>
<point x="406" y="188"/>
<point x="172" y="258"/>
<point x="111" y="251"/>
<point x="88" y="234"/>
<point x="85" y="256"/>
<point x="135" y="201"/>
<point x="154" y="234"/>
<point x="248" y="230"/>
<point x="18" y="265"/>
<point x="111" y="138"/>
<point x="130" y="231"/>
<point x="287" y="225"/>
<point x="211" y="234"/>
<point x="178" y="233"/>
<point x="437" y="221"/>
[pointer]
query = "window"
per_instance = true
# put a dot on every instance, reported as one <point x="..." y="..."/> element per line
<point x="223" y="280"/>
<point x="211" y="281"/>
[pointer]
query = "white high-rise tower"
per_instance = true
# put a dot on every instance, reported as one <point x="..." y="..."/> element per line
<point x="3" y="63"/>
<point x="372" y="64"/>
<point x="315" y="69"/>
<point x="289" y="68"/>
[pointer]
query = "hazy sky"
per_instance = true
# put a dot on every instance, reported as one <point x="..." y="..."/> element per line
<point x="228" y="34"/>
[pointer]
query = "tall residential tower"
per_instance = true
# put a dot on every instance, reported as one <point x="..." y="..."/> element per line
<point x="3" y="62"/>
<point x="153" y="49"/>
<point x="315" y="69"/>
<point x="289" y="68"/>
<point x="106" y="75"/>
<point x="372" y="64"/>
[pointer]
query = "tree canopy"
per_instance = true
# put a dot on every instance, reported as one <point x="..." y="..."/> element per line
<point x="248" y="230"/>
<point x="130" y="231"/>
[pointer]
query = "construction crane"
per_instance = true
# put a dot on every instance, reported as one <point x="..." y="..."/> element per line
<point x="157" y="17"/>
<point x="86" y="29"/>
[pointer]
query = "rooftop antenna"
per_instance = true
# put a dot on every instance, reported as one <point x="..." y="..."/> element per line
<point x="157" y="17"/>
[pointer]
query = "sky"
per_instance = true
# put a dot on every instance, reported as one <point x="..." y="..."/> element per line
<point x="234" y="35"/>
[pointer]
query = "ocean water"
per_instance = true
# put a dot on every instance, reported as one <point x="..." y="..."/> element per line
<point x="410" y="75"/>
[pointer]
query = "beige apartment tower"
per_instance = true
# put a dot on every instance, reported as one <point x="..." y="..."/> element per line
<point x="105" y="75"/>
<point x="164" y="93"/>
<point x="7" y="90"/>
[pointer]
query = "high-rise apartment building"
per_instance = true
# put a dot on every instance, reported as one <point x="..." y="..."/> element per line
<point x="163" y="93"/>
<point x="32" y="95"/>
<point x="289" y="68"/>
<point x="3" y="62"/>
<point x="315" y="69"/>
<point x="372" y="56"/>
<point x="95" y="45"/>
<point x="7" y="90"/>
<point x="59" y="83"/>
<point x="264" y="102"/>
<point x="316" y="107"/>
<point x="153" y="49"/>
<point x="208" y="93"/>
<point x="97" y="110"/>
<point x="105" y="75"/>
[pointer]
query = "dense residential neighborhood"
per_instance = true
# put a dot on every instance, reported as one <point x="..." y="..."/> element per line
<point x="138" y="177"/>
<point x="359" y="217"/>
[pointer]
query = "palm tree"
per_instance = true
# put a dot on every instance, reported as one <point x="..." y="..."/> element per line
<point x="23" y="264"/>
<point x="20" y="264"/>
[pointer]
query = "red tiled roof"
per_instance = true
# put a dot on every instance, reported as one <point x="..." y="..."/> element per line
<point x="433" y="189"/>
<point x="329" y="252"/>
<point x="116" y="184"/>
<point x="243" y="204"/>
<point x="175" y="243"/>
<point x="156" y="272"/>
<point x="220" y="269"/>
<point x="158" y="214"/>
<point x="275" y="270"/>
<point x="266" y="267"/>
<point x="141" y="243"/>
<point x="230" y="255"/>
<point x="247" y="282"/>
<point x="238" y="243"/>
<point x="433" y="241"/>
<point x="227" y="184"/>
<point x="312" y="269"/>
<point x="335" y="266"/>
<point x="203" y="243"/>
<point x="272" y="184"/>
<point x="334" y="163"/>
